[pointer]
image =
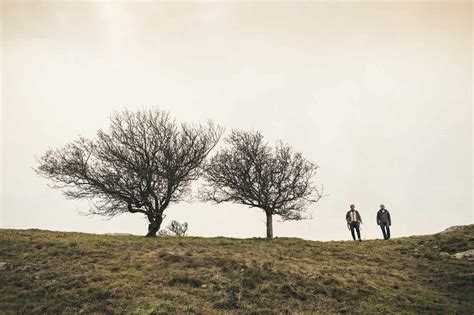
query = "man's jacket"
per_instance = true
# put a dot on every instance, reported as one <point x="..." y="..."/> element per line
<point x="353" y="216"/>
<point x="383" y="217"/>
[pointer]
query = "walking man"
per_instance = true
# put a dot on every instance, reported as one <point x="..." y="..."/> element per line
<point x="384" y="220"/>
<point x="353" y="222"/>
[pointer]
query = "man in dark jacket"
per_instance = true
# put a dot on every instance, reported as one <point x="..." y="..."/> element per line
<point x="353" y="221"/>
<point x="384" y="220"/>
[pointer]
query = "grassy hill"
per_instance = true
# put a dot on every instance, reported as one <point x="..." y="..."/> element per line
<point x="53" y="272"/>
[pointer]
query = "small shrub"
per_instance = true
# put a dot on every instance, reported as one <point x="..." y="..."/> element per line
<point x="174" y="229"/>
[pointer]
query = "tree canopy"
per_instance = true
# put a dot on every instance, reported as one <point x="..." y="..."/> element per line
<point x="144" y="162"/>
<point x="250" y="172"/>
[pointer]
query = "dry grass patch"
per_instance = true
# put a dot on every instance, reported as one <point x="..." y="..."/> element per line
<point x="54" y="272"/>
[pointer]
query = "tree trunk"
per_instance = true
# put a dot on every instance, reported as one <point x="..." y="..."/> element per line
<point x="154" y="226"/>
<point x="269" y="226"/>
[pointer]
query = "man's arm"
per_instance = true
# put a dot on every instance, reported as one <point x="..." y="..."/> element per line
<point x="359" y="217"/>
<point x="389" y="218"/>
<point x="378" y="218"/>
<point x="348" y="217"/>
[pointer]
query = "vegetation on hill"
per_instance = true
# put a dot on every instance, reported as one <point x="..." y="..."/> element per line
<point x="53" y="272"/>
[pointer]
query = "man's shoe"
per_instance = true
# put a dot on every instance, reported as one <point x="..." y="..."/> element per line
<point x="360" y="240"/>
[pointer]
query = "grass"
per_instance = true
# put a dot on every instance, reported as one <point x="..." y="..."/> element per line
<point x="56" y="272"/>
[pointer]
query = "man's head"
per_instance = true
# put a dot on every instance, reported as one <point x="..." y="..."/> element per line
<point x="382" y="207"/>
<point x="352" y="207"/>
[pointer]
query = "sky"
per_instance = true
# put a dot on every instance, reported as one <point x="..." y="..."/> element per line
<point x="378" y="94"/>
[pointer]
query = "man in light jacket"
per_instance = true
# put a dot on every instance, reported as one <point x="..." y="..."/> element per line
<point x="353" y="221"/>
<point x="384" y="220"/>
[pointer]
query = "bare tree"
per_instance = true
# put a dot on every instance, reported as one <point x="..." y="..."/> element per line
<point x="175" y="229"/>
<point x="252" y="173"/>
<point x="142" y="164"/>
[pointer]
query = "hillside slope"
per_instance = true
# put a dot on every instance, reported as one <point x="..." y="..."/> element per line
<point x="53" y="272"/>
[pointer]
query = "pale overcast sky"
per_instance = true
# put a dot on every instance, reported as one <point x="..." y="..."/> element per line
<point x="378" y="94"/>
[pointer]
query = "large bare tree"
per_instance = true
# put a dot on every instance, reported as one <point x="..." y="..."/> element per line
<point x="142" y="164"/>
<point x="250" y="172"/>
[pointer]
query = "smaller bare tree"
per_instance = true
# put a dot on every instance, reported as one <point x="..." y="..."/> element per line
<point x="252" y="173"/>
<point x="175" y="229"/>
